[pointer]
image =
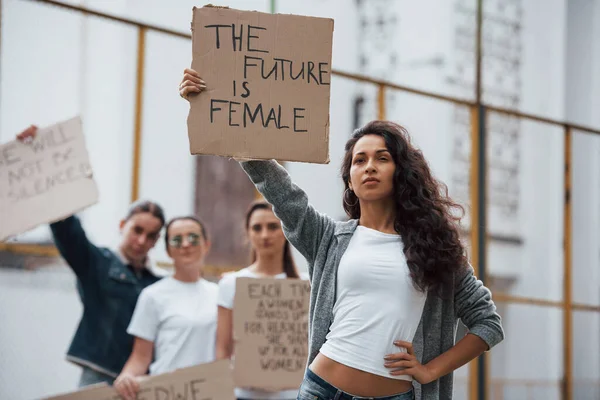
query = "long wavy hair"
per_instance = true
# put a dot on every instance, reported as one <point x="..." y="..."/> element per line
<point x="289" y="266"/>
<point x="424" y="211"/>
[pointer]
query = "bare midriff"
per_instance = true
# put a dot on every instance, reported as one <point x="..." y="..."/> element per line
<point x="355" y="381"/>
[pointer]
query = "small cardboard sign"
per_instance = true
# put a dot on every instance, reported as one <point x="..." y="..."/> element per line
<point x="268" y="85"/>
<point x="270" y="327"/>
<point x="45" y="180"/>
<point x="210" y="381"/>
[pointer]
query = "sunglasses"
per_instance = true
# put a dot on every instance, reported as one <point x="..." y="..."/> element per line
<point x="177" y="241"/>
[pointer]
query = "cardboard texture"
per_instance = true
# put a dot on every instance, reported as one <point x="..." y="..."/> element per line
<point x="210" y="381"/>
<point x="268" y="85"/>
<point x="45" y="180"/>
<point x="270" y="328"/>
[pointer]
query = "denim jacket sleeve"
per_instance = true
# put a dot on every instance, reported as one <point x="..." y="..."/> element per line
<point x="304" y="226"/>
<point x="74" y="247"/>
<point x="475" y="308"/>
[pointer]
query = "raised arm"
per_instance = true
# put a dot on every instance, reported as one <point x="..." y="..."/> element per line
<point x="304" y="226"/>
<point x="74" y="246"/>
<point x="69" y="236"/>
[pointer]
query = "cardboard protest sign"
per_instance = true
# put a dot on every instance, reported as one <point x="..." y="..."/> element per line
<point x="211" y="381"/>
<point x="270" y="328"/>
<point x="45" y="180"/>
<point x="268" y="85"/>
<point x="100" y="391"/>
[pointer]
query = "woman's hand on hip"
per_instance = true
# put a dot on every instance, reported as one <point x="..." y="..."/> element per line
<point x="406" y="363"/>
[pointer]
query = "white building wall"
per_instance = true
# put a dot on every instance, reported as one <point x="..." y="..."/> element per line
<point x="581" y="105"/>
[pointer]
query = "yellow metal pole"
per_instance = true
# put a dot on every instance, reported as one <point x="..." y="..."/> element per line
<point x="137" y="133"/>
<point x="567" y="288"/>
<point x="474" y="194"/>
<point x="381" y="103"/>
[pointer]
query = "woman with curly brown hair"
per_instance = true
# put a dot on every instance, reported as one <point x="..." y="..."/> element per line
<point x="389" y="285"/>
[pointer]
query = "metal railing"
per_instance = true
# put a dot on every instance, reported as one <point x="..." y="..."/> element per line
<point x="479" y="382"/>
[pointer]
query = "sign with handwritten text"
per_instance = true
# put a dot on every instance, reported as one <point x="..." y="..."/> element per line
<point x="210" y="381"/>
<point x="268" y="85"/>
<point x="270" y="327"/>
<point x="45" y="180"/>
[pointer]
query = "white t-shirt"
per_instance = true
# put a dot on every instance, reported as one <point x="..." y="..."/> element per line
<point x="180" y="318"/>
<point x="226" y="296"/>
<point x="376" y="303"/>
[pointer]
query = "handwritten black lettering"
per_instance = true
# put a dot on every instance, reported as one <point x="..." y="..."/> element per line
<point x="61" y="157"/>
<point x="301" y="73"/>
<point x="295" y="339"/>
<point x="250" y="36"/>
<point x="300" y="289"/>
<point x="311" y="67"/>
<point x="28" y="186"/>
<point x="253" y="328"/>
<point x="188" y="390"/>
<point x="283" y="327"/>
<point x="259" y="290"/>
<point x="282" y="65"/>
<point x="272" y="314"/>
<point x="288" y="304"/>
<point x="274" y="339"/>
<point x="286" y="364"/>
<point x="231" y="111"/>
<point x="237" y="38"/>
<point x="247" y="64"/>
<point x="300" y="351"/>
<point x="276" y="69"/>
<point x="280" y="125"/>
<point x="245" y="86"/>
<point x="280" y="351"/>
<point x="271" y="117"/>
<point x="273" y="71"/>
<point x="161" y="393"/>
<point x="194" y="390"/>
<point x="213" y="108"/>
<point x="217" y="32"/>
<point x="323" y="72"/>
<point x="24" y="171"/>
<point x="56" y="137"/>
<point x="253" y="116"/>
<point x="7" y="158"/>
<point x="280" y="310"/>
<point x="296" y="117"/>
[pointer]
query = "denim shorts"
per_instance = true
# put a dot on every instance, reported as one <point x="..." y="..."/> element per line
<point x="316" y="388"/>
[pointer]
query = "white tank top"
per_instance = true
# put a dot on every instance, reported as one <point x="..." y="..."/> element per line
<point x="376" y="303"/>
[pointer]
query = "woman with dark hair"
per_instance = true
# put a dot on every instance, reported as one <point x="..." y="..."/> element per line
<point x="109" y="282"/>
<point x="175" y="320"/>
<point x="389" y="285"/>
<point x="271" y="257"/>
